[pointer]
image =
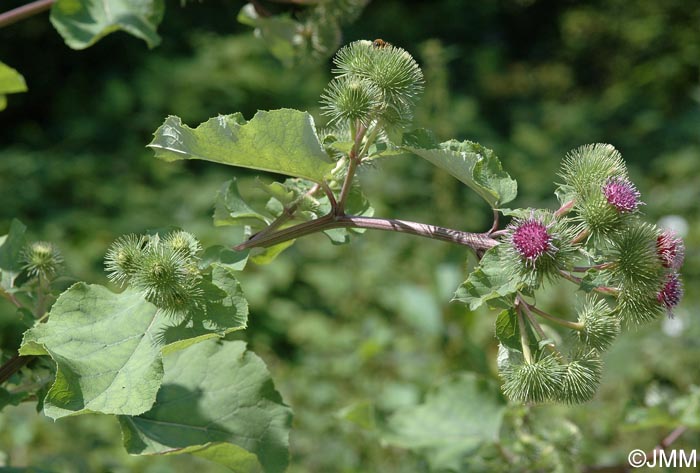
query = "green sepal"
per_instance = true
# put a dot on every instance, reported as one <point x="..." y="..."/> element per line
<point x="82" y="23"/>
<point x="474" y="165"/>
<point x="281" y="141"/>
<point x="218" y="402"/>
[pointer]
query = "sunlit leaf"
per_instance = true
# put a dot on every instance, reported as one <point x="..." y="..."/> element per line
<point x="108" y="347"/>
<point x="474" y="165"/>
<point x="82" y="23"/>
<point x="11" y="82"/>
<point x="217" y="401"/>
<point x="281" y="141"/>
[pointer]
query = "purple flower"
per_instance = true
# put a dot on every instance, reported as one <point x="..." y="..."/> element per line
<point x="621" y="194"/>
<point x="531" y="238"/>
<point x="671" y="293"/>
<point x="670" y="249"/>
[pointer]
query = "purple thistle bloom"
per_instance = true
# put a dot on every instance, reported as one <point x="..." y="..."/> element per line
<point x="670" y="249"/>
<point x="531" y="239"/>
<point x="621" y="194"/>
<point x="671" y="293"/>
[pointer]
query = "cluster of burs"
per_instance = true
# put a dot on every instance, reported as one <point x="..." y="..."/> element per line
<point x="165" y="270"/>
<point x="376" y="84"/>
<point x="597" y="240"/>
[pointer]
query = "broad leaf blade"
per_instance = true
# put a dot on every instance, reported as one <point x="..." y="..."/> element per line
<point x="231" y="209"/>
<point x="474" y="165"/>
<point x="489" y="283"/>
<point x="452" y="423"/>
<point x="82" y="23"/>
<point x="11" y="82"/>
<point x="217" y="401"/>
<point x="106" y="348"/>
<point x="280" y="141"/>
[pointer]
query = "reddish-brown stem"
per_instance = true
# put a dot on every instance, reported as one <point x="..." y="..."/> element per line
<point x="25" y="11"/>
<point x="12" y="366"/>
<point x="476" y="241"/>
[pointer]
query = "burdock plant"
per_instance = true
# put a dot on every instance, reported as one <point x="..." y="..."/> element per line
<point x="597" y="239"/>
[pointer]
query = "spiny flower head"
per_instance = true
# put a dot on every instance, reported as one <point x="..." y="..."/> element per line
<point x="41" y="258"/>
<point x="531" y="238"/>
<point x="670" y="249"/>
<point x="621" y="194"/>
<point x="671" y="293"/>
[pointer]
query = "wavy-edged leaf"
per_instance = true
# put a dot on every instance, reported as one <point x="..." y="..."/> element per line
<point x="226" y="311"/>
<point x="489" y="283"/>
<point x="281" y="141"/>
<point x="11" y="82"/>
<point x="217" y="401"/>
<point x="108" y="347"/>
<point x="82" y="23"/>
<point x="454" y="421"/>
<point x="473" y="164"/>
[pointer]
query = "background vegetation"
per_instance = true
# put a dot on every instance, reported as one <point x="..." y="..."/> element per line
<point x="368" y="325"/>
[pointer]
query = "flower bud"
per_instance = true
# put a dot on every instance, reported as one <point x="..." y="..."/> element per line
<point x="581" y="378"/>
<point x="124" y="257"/>
<point x="183" y="242"/>
<point x="41" y="259"/>
<point x="671" y="293"/>
<point x="600" y="326"/>
<point x="621" y="194"/>
<point x="536" y="382"/>
<point x="347" y="99"/>
<point x="670" y="249"/>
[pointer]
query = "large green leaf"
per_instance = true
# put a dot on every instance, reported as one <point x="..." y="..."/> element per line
<point x="108" y="347"/>
<point x="217" y="401"/>
<point x="474" y="165"/>
<point x="82" y="23"/>
<point x="490" y="282"/>
<point x="281" y="141"/>
<point x="107" y="351"/>
<point x="452" y="423"/>
<point x="11" y="82"/>
<point x="10" y="254"/>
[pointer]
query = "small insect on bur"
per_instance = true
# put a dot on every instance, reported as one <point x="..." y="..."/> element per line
<point x="380" y="43"/>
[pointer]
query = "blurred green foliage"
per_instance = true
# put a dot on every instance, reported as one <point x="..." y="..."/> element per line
<point x="368" y="327"/>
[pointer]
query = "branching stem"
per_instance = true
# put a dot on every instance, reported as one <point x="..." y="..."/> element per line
<point x="476" y="241"/>
<point x="564" y="323"/>
<point x="25" y="11"/>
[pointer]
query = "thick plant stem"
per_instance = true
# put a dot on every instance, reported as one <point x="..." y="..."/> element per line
<point x="25" y="11"/>
<point x="476" y="241"/>
<point x="12" y="366"/>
